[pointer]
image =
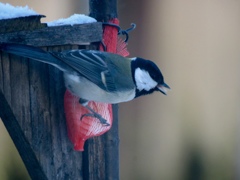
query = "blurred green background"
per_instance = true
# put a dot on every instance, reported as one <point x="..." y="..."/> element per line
<point x="193" y="132"/>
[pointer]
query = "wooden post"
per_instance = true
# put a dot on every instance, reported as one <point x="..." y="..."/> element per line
<point x="103" y="10"/>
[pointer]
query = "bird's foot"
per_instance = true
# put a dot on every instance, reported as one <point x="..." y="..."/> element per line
<point x="95" y="115"/>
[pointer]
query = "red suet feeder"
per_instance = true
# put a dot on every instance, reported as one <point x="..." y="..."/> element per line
<point x="79" y="130"/>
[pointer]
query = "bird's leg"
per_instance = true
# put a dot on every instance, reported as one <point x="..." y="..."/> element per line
<point x="93" y="113"/>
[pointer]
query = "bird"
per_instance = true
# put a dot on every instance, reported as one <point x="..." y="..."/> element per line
<point x="98" y="76"/>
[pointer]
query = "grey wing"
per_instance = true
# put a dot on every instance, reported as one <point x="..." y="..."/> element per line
<point x="90" y="64"/>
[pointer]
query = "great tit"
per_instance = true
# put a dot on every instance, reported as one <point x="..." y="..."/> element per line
<point x="98" y="76"/>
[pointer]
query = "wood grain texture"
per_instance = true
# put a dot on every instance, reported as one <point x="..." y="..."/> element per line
<point x="21" y="24"/>
<point x="25" y="150"/>
<point x="34" y="93"/>
<point x="56" y="35"/>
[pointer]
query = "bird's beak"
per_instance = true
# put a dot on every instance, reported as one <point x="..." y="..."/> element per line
<point x="163" y="88"/>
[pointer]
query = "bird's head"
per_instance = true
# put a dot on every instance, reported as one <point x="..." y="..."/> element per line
<point x="147" y="77"/>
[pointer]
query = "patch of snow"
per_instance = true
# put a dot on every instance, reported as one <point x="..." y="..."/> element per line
<point x="74" y="19"/>
<point x="7" y="11"/>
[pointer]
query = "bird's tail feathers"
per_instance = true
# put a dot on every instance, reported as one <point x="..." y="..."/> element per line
<point x="32" y="53"/>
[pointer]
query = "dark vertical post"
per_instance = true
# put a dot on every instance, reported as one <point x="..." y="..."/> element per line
<point x="101" y="155"/>
<point x="103" y="10"/>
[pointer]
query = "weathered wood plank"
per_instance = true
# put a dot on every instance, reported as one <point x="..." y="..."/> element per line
<point x="22" y="144"/>
<point x="21" y="24"/>
<point x="40" y="115"/>
<point x="36" y="99"/>
<point x="20" y="79"/>
<point x="56" y="35"/>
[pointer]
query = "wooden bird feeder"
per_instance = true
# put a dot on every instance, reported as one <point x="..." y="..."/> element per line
<point x="31" y="100"/>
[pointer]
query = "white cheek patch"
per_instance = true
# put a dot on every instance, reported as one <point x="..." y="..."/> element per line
<point x="144" y="80"/>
